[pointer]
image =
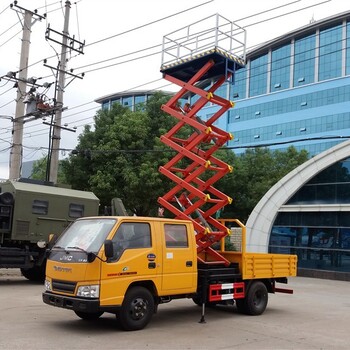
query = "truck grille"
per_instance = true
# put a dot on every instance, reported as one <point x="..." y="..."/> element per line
<point x="63" y="286"/>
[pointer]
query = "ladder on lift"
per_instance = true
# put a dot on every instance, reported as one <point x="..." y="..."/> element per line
<point x="194" y="169"/>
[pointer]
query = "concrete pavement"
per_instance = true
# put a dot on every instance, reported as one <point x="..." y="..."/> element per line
<point x="316" y="316"/>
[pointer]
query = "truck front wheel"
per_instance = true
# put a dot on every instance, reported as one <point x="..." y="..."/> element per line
<point x="89" y="316"/>
<point x="255" y="301"/>
<point x="136" y="310"/>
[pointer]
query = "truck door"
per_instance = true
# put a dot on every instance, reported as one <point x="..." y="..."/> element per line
<point x="135" y="258"/>
<point x="179" y="259"/>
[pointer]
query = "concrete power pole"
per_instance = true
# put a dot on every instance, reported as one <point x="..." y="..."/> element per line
<point x="17" y="148"/>
<point x="56" y="136"/>
<point x="21" y="81"/>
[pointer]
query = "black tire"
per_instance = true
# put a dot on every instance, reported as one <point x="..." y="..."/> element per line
<point x="35" y="274"/>
<point x="89" y="316"/>
<point x="255" y="301"/>
<point x="7" y="198"/>
<point x="240" y="304"/>
<point x="137" y="309"/>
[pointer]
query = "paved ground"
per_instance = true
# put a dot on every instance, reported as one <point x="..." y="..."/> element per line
<point x="316" y="316"/>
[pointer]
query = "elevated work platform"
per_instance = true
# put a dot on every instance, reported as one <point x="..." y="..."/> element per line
<point x="191" y="55"/>
<point x="186" y="50"/>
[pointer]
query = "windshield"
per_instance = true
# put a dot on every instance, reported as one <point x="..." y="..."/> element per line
<point x="87" y="234"/>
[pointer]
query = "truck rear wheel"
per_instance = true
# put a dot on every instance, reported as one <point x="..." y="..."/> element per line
<point x="136" y="310"/>
<point x="255" y="301"/>
<point x="88" y="315"/>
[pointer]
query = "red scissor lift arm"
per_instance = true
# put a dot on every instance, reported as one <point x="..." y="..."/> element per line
<point x="194" y="169"/>
<point x="195" y="58"/>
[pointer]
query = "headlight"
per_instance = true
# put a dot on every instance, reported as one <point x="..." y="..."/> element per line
<point x="47" y="285"/>
<point x="92" y="291"/>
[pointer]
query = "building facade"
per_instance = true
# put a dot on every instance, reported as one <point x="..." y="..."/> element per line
<point x="294" y="90"/>
<point x="308" y="213"/>
<point x="134" y="99"/>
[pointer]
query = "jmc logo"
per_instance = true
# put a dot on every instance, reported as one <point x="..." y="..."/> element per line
<point x="66" y="258"/>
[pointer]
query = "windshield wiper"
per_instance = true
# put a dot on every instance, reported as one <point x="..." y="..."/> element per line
<point x="57" y="247"/>
<point x="78" y="248"/>
<point x="90" y="255"/>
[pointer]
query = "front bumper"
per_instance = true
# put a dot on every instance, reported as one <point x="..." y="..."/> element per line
<point x="72" y="303"/>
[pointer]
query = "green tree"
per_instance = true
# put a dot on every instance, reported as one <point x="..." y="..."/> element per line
<point x="254" y="173"/>
<point x="121" y="156"/>
<point x="39" y="171"/>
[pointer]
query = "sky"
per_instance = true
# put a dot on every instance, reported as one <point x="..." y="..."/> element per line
<point x="118" y="34"/>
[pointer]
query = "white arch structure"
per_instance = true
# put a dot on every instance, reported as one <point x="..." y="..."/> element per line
<point x="261" y="219"/>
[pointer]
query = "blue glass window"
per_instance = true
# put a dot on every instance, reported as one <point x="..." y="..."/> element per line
<point x="117" y="100"/>
<point x="330" y="53"/>
<point x="304" y="60"/>
<point x="222" y="91"/>
<point x="238" y="88"/>
<point x="348" y="48"/>
<point x="127" y="102"/>
<point x="330" y="186"/>
<point x="140" y="102"/>
<point x="280" y="68"/>
<point x="105" y="105"/>
<point x="258" y="76"/>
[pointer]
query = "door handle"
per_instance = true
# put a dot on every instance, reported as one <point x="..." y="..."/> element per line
<point x="189" y="264"/>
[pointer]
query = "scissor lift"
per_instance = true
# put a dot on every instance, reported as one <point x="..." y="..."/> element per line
<point x="201" y="54"/>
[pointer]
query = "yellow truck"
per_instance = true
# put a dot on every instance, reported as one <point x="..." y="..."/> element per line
<point x="129" y="265"/>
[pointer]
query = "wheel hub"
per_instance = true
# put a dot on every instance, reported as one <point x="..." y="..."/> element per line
<point x="138" y="310"/>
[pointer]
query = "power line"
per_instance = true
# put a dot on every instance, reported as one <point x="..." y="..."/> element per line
<point x="97" y="107"/>
<point x="8" y="29"/>
<point x="149" y="23"/>
<point x="166" y="150"/>
<point x="290" y="141"/>
<point x="159" y="45"/>
<point x="257" y="74"/>
<point x="118" y="63"/>
<point x="287" y="65"/>
<point x="6" y="8"/>
<point x="125" y="32"/>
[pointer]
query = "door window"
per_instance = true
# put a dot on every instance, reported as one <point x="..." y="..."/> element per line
<point x="175" y="236"/>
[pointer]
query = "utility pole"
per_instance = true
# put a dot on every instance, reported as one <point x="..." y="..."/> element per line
<point x="56" y="136"/>
<point x="68" y="44"/>
<point x="17" y="130"/>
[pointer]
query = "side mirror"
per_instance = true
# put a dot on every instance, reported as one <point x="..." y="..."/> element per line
<point x="109" y="251"/>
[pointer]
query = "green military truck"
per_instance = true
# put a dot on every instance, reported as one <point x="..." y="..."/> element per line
<point x="29" y="213"/>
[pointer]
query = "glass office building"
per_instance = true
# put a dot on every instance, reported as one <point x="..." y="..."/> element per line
<point x="308" y="213"/>
<point x="294" y="90"/>
<point x="134" y="100"/>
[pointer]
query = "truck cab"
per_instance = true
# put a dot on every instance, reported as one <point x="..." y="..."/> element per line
<point x="122" y="265"/>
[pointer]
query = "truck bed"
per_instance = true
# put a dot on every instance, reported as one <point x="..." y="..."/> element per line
<point x="260" y="265"/>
